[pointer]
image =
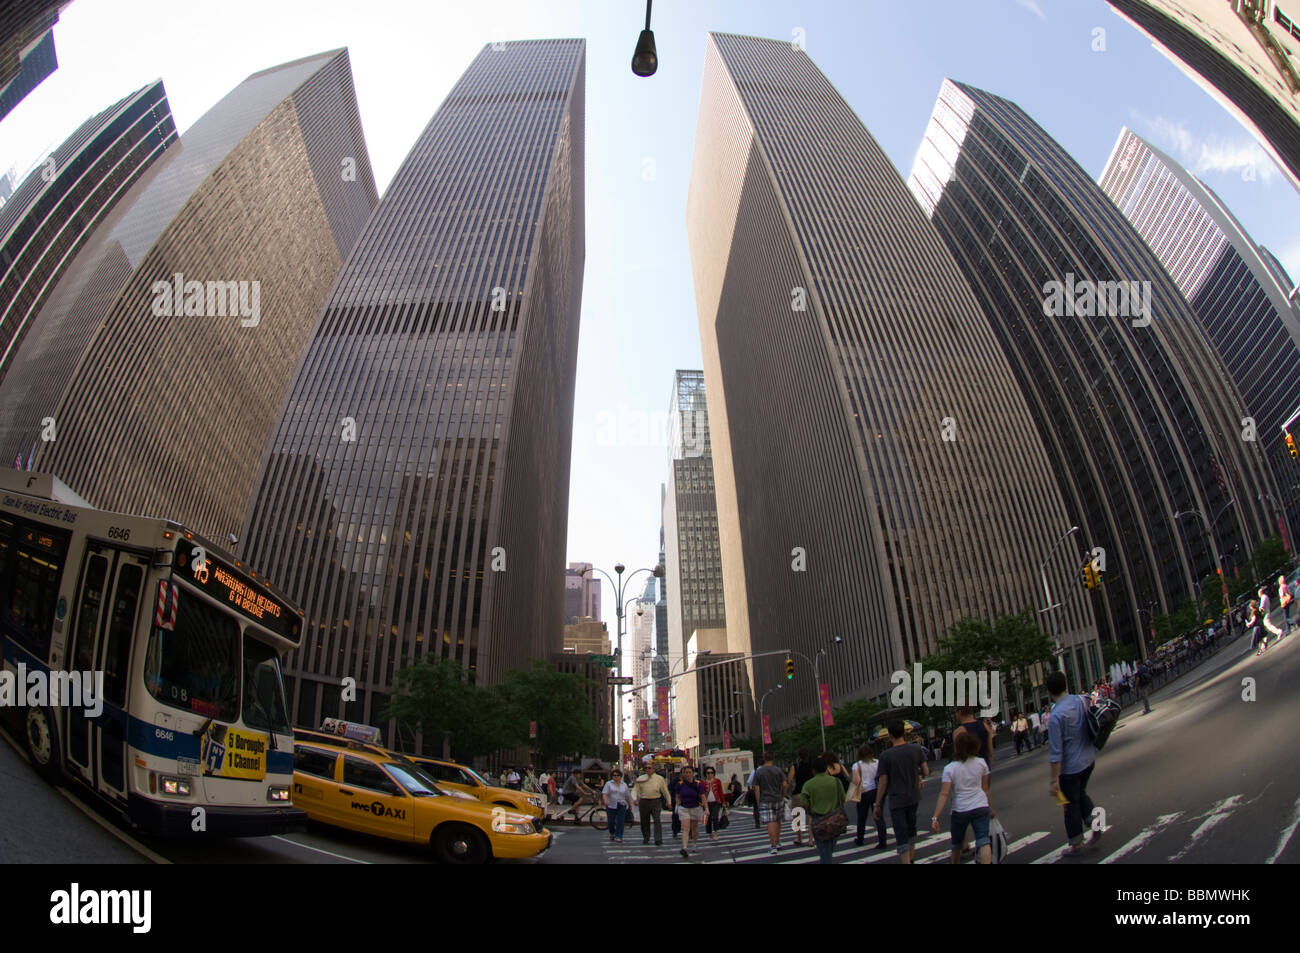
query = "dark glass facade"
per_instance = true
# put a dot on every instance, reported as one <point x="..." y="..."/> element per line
<point x="51" y="216"/>
<point x="1236" y="289"/>
<point x="36" y="66"/>
<point x="877" y="472"/>
<point x="414" y="497"/>
<point x="1137" y="412"/>
<point x="25" y="29"/>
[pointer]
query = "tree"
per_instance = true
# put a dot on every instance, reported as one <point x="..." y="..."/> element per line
<point x="1269" y="560"/>
<point x="560" y="704"/>
<point x="439" y="697"/>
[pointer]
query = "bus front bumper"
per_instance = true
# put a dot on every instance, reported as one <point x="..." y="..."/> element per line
<point x="176" y="820"/>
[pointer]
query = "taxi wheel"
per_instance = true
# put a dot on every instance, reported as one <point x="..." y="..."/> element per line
<point x="461" y="844"/>
<point x="41" y="742"/>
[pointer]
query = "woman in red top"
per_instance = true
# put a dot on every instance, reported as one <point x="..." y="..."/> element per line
<point x="714" y="798"/>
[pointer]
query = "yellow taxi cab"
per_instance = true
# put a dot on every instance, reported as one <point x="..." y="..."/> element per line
<point x="453" y="776"/>
<point x="363" y="787"/>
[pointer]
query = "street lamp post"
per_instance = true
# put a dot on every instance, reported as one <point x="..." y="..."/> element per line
<point x="1214" y="546"/>
<point x="815" y="662"/>
<point x="619" y="588"/>
<point x="1047" y="593"/>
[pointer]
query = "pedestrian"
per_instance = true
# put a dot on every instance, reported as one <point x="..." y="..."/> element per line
<point x="690" y="807"/>
<point x="967" y="722"/>
<point x="650" y="794"/>
<point x="714" y="801"/>
<point x="800" y="773"/>
<point x="618" y="804"/>
<point x="1071" y="758"/>
<point x="734" y="790"/>
<point x="835" y="769"/>
<point x="1258" y="637"/>
<point x="863" y="793"/>
<point x="1283" y="603"/>
<point x="530" y="783"/>
<point x="825" y="795"/>
<point x="768" y="790"/>
<point x="966" y="777"/>
<point x="898" y="777"/>
<point x="1265" y="608"/>
<point x="1035" y="729"/>
<point x="753" y="794"/>
<point x="510" y="778"/>
<point x="1020" y="731"/>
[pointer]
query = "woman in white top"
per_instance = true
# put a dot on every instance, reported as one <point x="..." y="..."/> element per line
<point x="966" y="778"/>
<point x="863" y="791"/>
<point x="618" y="804"/>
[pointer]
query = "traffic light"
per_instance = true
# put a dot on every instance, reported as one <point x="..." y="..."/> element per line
<point x="1290" y="445"/>
<point x="789" y="667"/>
<point x="1091" y="578"/>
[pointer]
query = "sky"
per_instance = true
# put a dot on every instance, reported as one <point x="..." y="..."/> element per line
<point x="639" y="322"/>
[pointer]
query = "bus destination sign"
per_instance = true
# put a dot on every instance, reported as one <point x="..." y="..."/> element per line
<point x="229" y="585"/>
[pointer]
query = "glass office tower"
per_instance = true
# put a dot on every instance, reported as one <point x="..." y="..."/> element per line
<point x="1236" y="289"/>
<point x="414" y="497"/>
<point x="1135" y="408"/>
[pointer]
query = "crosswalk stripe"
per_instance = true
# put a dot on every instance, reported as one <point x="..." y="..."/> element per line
<point x="1142" y="838"/>
<point x="1025" y="841"/>
<point x="1053" y="857"/>
<point x="1215" y="816"/>
<point x="1286" y="834"/>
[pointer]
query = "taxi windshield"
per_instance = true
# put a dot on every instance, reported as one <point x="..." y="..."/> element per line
<point x="412" y="780"/>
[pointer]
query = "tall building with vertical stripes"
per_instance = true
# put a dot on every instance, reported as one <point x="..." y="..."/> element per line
<point x="1244" y="53"/>
<point x="878" y="474"/>
<point x="57" y="207"/>
<point x="414" y="496"/>
<point x="152" y="376"/>
<point x="1237" y="290"/>
<point x="1139" y="415"/>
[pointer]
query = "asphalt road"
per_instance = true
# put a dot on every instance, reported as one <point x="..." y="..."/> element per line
<point x="1206" y="778"/>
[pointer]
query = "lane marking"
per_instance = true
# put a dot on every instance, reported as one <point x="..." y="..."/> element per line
<point x="1137" y="843"/>
<point x="112" y="829"/>
<point x="319" y="850"/>
<point x="1213" y="817"/>
<point x="1286" y="834"/>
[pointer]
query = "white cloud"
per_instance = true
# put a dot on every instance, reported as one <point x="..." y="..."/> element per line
<point x="1241" y="157"/>
<point x="1033" y="7"/>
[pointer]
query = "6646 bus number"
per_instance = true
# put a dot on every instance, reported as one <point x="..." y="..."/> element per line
<point x="119" y="532"/>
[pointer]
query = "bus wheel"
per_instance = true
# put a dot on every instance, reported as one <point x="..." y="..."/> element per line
<point x="42" y="745"/>
<point x="460" y="844"/>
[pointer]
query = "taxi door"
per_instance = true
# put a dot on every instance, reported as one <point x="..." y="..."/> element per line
<point x="374" y="802"/>
<point x="315" y="784"/>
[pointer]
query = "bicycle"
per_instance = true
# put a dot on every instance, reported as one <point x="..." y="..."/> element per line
<point x="592" y="812"/>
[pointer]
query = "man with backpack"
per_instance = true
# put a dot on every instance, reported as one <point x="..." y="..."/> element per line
<point x="1071" y="756"/>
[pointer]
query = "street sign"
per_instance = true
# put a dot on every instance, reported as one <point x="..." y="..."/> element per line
<point x="620" y="680"/>
<point x="605" y="660"/>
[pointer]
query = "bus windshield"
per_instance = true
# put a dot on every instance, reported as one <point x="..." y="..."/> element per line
<point x="264" y="705"/>
<point x="195" y="666"/>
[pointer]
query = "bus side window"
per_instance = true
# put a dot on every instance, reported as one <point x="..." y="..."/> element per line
<point x="92" y="595"/>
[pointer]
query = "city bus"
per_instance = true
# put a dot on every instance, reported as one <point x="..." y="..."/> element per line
<point x="142" y="662"/>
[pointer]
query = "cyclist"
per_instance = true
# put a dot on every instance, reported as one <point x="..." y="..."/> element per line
<point x="577" y="793"/>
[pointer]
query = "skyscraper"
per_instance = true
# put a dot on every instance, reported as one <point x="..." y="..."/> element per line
<point x="57" y="207"/>
<point x="1135" y="408"/>
<point x="26" y="47"/>
<point x="877" y="473"/>
<point x="1241" y="52"/>
<point x="414" y="497"/>
<point x="581" y="592"/>
<point x="1236" y="289"/>
<point x="152" y="377"/>
<point x="693" y="557"/>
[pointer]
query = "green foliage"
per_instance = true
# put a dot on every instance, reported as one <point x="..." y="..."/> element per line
<point x="1171" y="625"/>
<point x="1270" y="560"/>
<point x="439" y="697"/>
<point x="1210" y="603"/>
<point x="1112" y="653"/>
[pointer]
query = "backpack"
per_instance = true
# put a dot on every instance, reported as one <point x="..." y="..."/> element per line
<point x="1100" y="720"/>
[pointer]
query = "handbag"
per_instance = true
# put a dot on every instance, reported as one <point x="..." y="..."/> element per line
<point x="724" y="820"/>
<point x="998" y="838"/>
<point x="831" y="825"/>
<point x="855" y="787"/>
